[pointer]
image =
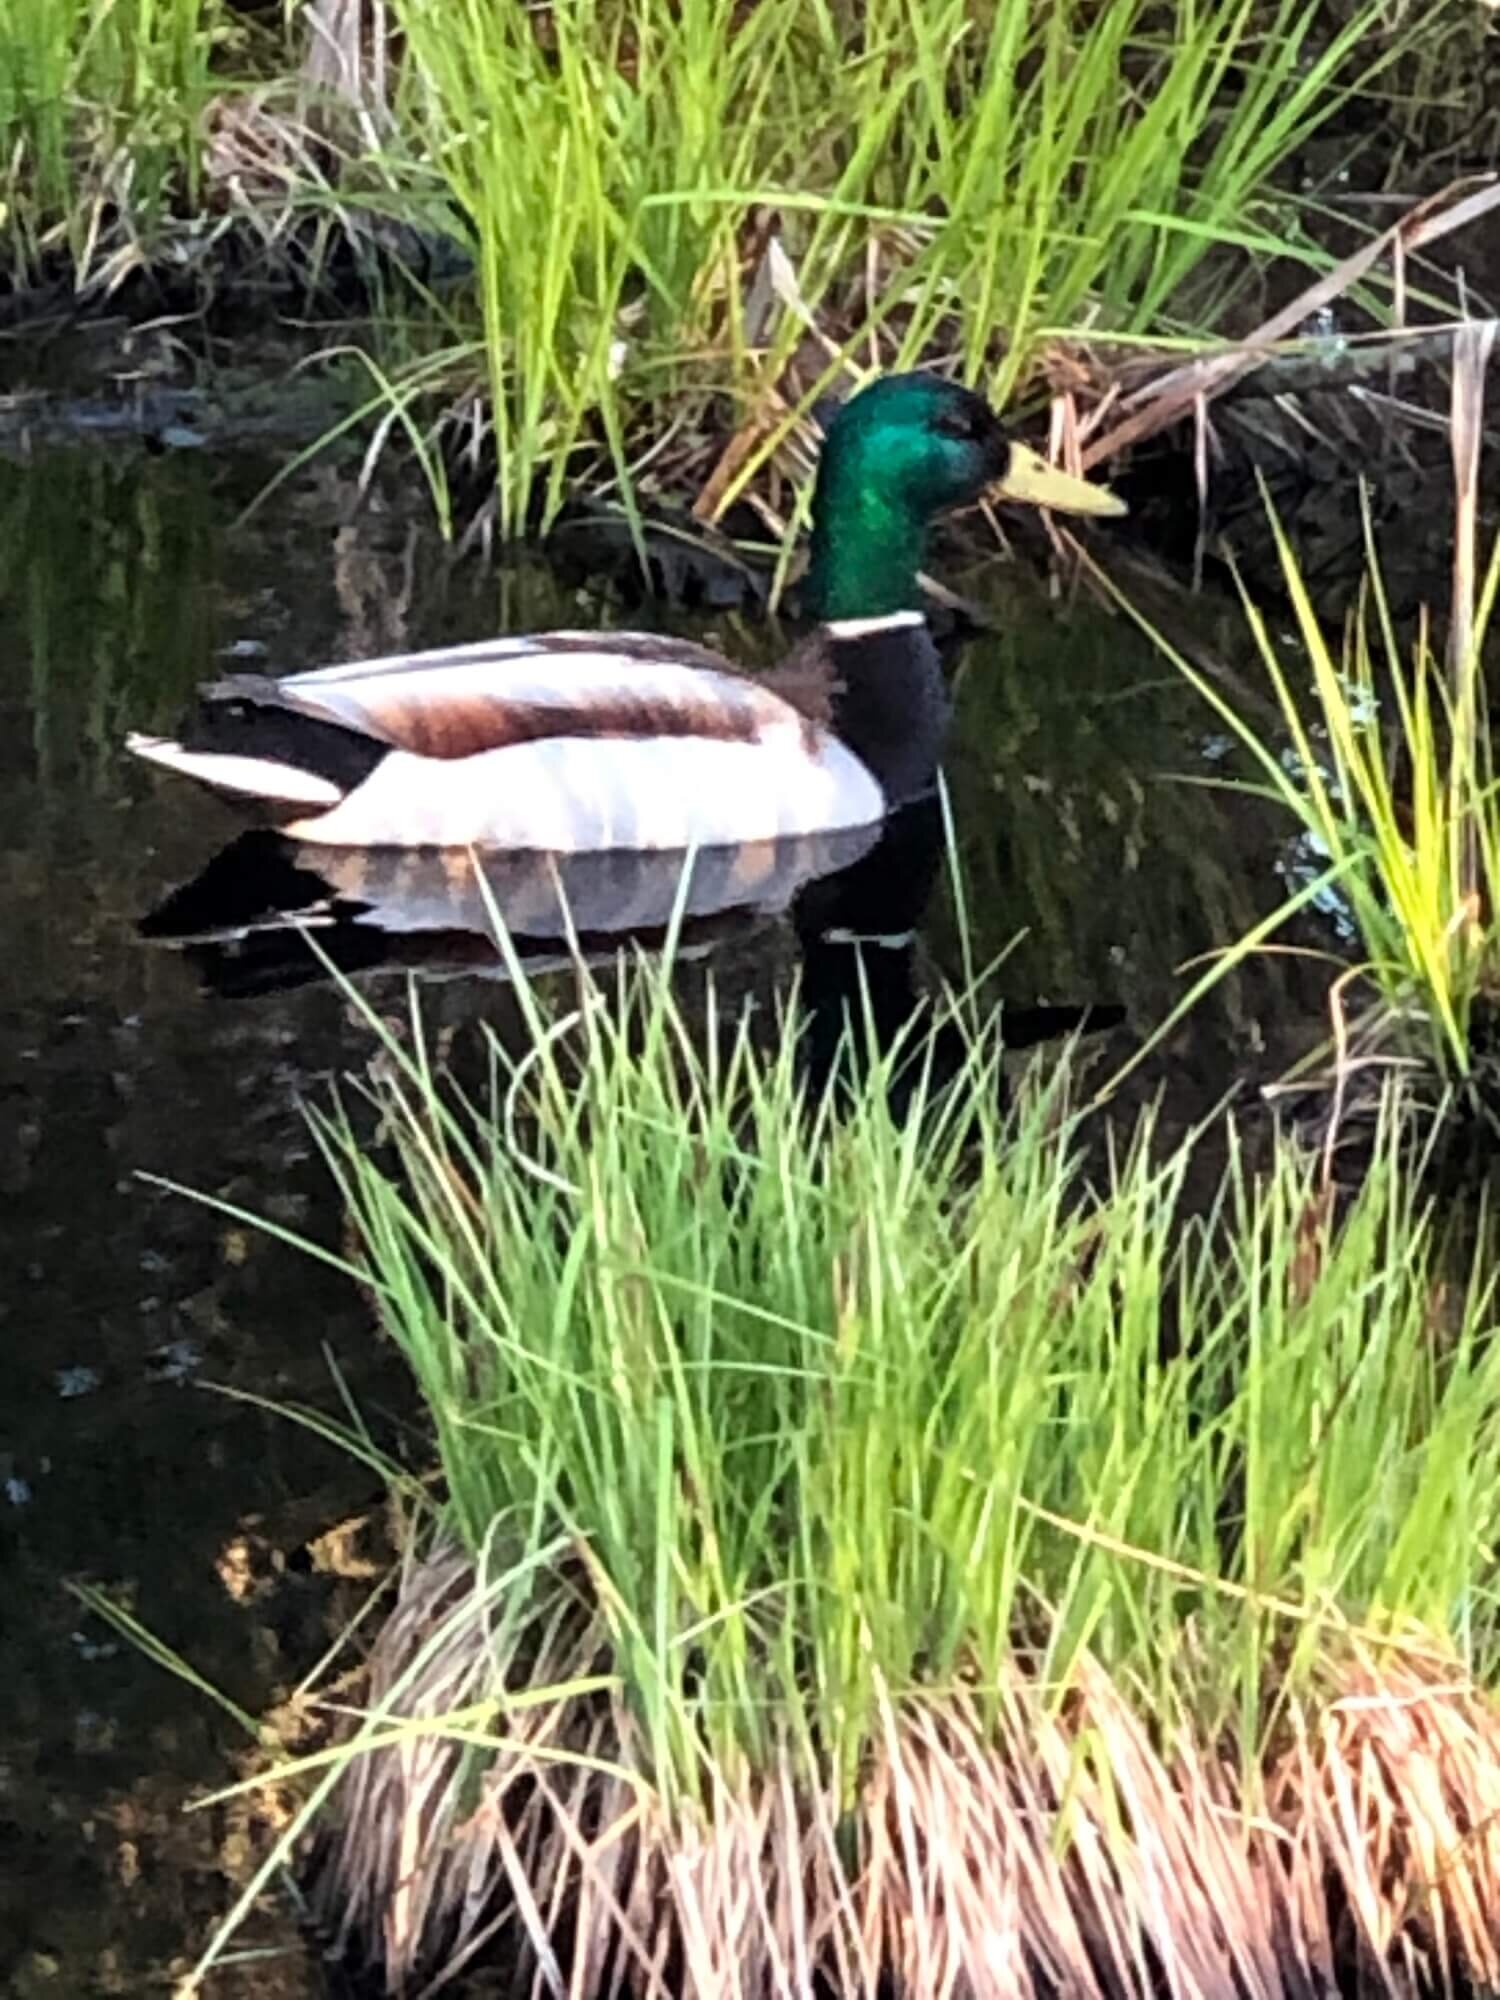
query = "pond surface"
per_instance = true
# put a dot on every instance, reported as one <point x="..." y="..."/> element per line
<point x="128" y="1310"/>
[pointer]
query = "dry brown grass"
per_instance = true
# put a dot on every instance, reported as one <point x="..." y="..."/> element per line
<point x="1034" y="1841"/>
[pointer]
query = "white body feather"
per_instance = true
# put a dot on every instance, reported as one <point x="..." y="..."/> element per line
<point x="242" y="777"/>
<point x="577" y="795"/>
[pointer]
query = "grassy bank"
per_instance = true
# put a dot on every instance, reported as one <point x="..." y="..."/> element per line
<point x="886" y="1551"/>
<point x="645" y="207"/>
<point x="665" y="203"/>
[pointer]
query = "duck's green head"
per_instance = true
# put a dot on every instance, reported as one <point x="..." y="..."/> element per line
<point x="901" y="451"/>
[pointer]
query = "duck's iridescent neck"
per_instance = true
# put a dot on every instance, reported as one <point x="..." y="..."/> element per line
<point x="866" y="547"/>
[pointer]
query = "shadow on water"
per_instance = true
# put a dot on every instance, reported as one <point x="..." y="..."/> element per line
<point x="123" y="580"/>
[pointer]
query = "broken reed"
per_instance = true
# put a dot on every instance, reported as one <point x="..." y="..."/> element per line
<point x="873" y="1548"/>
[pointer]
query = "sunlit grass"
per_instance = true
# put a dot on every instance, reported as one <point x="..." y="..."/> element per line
<point x="946" y="183"/>
<point x="1385" y="764"/>
<point x="1385" y="759"/>
<point x="99" y="108"/>
<point x="1397" y="785"/>
<point x="859" y="1505"/>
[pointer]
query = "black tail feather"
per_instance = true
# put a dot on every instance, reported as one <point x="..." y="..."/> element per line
<point x="242" y="716"/>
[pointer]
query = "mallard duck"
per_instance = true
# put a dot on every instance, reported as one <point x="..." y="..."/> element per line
<point x="585" y="741"/>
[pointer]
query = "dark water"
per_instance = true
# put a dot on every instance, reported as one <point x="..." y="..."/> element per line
<point x="123" y="579"/>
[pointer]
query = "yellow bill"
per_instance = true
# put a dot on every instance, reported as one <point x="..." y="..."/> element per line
<point x="1033" y="481"/>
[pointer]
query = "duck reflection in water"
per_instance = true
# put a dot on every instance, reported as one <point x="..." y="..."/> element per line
<point x="267" y="915"/>
<point x="861" y="992"/>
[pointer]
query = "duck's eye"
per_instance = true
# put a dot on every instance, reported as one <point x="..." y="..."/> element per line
<point x="958" y="424"/>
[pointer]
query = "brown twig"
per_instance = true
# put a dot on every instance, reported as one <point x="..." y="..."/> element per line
<point x="1160" y="403"/>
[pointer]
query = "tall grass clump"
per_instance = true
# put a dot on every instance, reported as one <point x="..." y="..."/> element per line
<point x="1389" y="778"/>
<point x="99" y="111"/>
<point x="886" y="1556"/>
<point x="945" y="179"/>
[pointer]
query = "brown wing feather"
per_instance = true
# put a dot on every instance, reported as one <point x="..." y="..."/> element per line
<point x="390" y="704"/>
<point x="463" y="727"/>
<point x="807" y="681"/>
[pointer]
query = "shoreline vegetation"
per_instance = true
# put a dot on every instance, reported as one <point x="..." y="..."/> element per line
<point x="990" y="1550"/>
<point x="619" y="249"/>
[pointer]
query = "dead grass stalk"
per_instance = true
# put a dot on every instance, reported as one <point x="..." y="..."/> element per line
<point x="1018" y="1840"/>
